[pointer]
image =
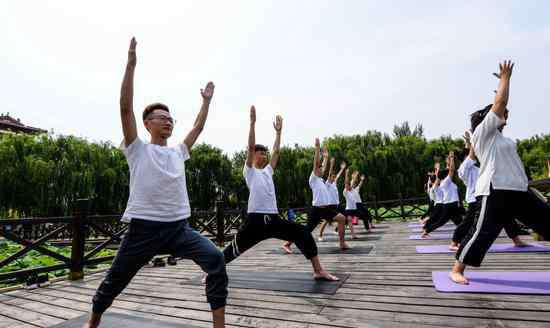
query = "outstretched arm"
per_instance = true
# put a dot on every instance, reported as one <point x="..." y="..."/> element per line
<point x="342" y="168"/>
<point x="331" y="168"/>
<point x="468" y="145"/>
<point x="278" y="125"/>
<point x="503" y="91"/>
<point x="361" y="182"/>
<point x="452" y="167"/>
<point x="316" y="159"/>
<point x="324" y="166"/>
<point x="127" y="97"/>
<point x="347" y="185"/>
<point x="251" y="137"/>
<point x="198" y="126"/>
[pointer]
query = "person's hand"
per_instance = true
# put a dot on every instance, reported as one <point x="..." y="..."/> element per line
<point x="325" y="150"/>
<point x="278" y="124"/>
<point x="317" y="143"/>
<point x="208" y="91"/>
<point x="505" y="70"/>
<point x="332" y="161"/>
<point x="252" y="114"/>
<point x="355" y="174"/>
<point x="362" y="177"/>
<point x="132" y="53"/>
<point x="343" y="165"/>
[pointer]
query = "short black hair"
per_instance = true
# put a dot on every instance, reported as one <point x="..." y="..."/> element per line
<point x="259" y="147"/>
<point x="152" y="107"/>
<point x="443" y="174"/>
<point x="477" y="117"/>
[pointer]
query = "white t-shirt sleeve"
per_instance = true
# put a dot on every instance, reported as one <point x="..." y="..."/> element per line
<point x="268" y="169"/>
<point x="488" y="127"/>
<point x="465" y="168"/>
<point x="248" y="174"/>
<point x="312" y="179"/>
<point x="132" y="150"/>
<point x="184" y="151"/>
<point x="445" y="182"/>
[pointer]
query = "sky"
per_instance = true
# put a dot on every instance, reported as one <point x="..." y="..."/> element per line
<point x="328" y="67"/>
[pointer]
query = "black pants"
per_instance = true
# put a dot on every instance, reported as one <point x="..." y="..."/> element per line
<point x="511" y="227"/>
<point x="450" y="211"/>
<point x="259" y="226"/>
<point x="316" y="214"/>
<point x="434" y="215"/>
<point x="498" y="208"/>
<point x="144" y="240"/>
<point x="364" y="215"/>
<point x="431" y="206"/>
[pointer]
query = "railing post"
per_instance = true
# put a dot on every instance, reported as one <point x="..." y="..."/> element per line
<point x="401" y="206"/>
<point x="220" y="224"/>
<point x="78" y="228"/>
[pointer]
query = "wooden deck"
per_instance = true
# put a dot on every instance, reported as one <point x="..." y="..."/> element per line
<point x="390" y="287"/>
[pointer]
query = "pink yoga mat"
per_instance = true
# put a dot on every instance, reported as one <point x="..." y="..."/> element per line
<point x="495" y="248"/>
<point x="496" y="282"/>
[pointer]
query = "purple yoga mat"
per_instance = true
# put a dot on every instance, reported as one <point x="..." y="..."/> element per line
<point x="440" y="236"/>
<point x="418" y="225"/>
<point x="495" y="248"/>
<point x="440" y="229"/>
<point x="496" y="282"/>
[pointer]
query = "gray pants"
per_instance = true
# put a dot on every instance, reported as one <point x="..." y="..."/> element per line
<point x="144" y="240"/>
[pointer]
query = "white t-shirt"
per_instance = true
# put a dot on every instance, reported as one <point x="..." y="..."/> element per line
<point x="357" y="195"/>
<point x="438" y="195"/>
<point x="351" y="204"/>
<point x="498" y="156"/>
<point x="333" y="193"/>
<point x="158" y="189"/>
<point x="469" y="173"/>
<point x="261" y="198"/>
<point x="320" y="191"/>
<point x="450" y="190"/>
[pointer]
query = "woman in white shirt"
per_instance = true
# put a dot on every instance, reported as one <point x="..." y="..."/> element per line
<point x="332" y="186"/>
<point x="451" y="207"/>
<point x="502" y="183"/>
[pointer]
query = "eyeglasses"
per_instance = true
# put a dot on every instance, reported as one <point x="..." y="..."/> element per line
<point x="162" y="118"/>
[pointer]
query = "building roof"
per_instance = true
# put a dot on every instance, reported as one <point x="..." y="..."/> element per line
<point x="10" y="124"/>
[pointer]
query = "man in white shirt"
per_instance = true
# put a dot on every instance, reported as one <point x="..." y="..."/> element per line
<point x="263" y="220"/>
<point x="158" y="205"/>
<point x="502" y="183"/>
<point x="320" y="208"/>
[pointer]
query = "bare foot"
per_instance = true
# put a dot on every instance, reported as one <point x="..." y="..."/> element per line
<point x="425" y="235"/>
<point x="458" y="278"/>
<point x="453" y="248"/>
<point x="93" y="322"/>
<point x="354" y="237"/>
<point x="323" y="275"/>
<point x="203" y="280"/>
<point x="287" y="249"/>
<point x="520" y="243"/>
<point x="319" y="239"/>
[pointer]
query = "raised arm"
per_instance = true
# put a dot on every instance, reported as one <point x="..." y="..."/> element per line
<point x="316" y="159"/>
<point x="278" y="126"/>
<point x="503" y="91"/>
<point x="361" y="182"/>
<point x="452" y="167"/>
<point x="347" y="182"/>
<point x="251" y="137"/>
<point x="468" y="145"/>
<point x="342" y="168"/>
<point x="127" y="97"/>
<point x="331" y="168"/>
<point x="324" y="166"/>
<point x="192" y="136"/>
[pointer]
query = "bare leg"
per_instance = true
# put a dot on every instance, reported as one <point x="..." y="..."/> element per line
<point x="319" y="273"/>
<point x="94" y="320"/>
<point x="457" y="274"/>
<point x="218" y="316"/>
<point x="286" y="247"/>
<point x="453" y="246"/>
<point x="322" y="230"/>
<point x="342" y="231"/>
<point x="425" y="234"/>
<point x="350" y="225"/>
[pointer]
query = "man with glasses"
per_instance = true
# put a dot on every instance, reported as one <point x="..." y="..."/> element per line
<point x="158" y="206"/>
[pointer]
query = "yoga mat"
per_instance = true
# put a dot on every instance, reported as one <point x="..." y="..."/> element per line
<point x="360" y="237"/>
<point x="440" y="236"/>
<point x="289" y="281"/>
<point x="440" y="229"/>
<point x="418" y="225"/>
<point x="495" y="248"/>
<point x="496" y="282"/>
<point x="116" y="320"/>
<point x="327" y="250"/>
